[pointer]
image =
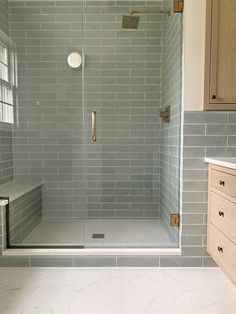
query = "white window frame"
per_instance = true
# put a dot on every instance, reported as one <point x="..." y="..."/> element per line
<point x="7" y="80"/>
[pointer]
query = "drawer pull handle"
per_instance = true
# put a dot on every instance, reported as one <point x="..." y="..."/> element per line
<point x="221" y="214"/>
<point x="220" y="249"/>
<point x="221" y="182"/>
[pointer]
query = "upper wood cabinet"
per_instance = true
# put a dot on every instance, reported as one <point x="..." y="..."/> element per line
<point x="220" y="57"/>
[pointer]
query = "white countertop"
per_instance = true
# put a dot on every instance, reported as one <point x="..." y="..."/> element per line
<point x="222" y="161"/>
<point x="15" y="189"/>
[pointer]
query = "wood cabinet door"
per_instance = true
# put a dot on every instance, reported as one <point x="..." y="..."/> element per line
<point x="220" y="80"/>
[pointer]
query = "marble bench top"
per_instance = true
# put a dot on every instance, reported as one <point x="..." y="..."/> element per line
<point x="223" y="161"/>
<point x="16" y="188"/>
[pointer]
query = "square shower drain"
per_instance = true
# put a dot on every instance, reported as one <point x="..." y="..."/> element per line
<point x="98" y="236"/>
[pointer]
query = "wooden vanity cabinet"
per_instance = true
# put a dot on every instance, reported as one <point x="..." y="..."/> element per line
<point x="220" y="55"/>
<point x="221" y="229"/>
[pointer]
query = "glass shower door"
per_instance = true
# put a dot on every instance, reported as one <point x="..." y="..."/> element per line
<point x="122" y="94"/>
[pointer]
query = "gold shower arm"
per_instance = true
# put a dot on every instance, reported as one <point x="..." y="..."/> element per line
<point x="143" y="13"/>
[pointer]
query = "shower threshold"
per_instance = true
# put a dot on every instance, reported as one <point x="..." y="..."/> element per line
<point x="94" y="252"/>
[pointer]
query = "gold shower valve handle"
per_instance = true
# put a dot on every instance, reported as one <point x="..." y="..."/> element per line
<point x="94" y="116"/>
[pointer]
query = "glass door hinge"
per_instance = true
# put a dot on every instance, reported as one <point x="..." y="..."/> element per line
<point x="178" y="6"/>
<point x="175" y="220"/>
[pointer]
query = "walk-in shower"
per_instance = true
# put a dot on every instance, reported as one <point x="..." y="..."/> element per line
<point x="92" y="161"/>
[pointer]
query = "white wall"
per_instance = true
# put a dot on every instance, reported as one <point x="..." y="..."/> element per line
<point x="194" y="54"/>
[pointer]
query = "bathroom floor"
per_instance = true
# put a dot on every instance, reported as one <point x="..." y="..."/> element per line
<point x="117" y="232"/>
<point x="115" y="291"/>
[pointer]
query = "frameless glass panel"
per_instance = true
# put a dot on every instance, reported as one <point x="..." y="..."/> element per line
<point x="123" y="77"/>
<point x="48" y="133"/>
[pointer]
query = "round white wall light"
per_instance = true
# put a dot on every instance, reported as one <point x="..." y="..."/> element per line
<point x="74" y="60"/>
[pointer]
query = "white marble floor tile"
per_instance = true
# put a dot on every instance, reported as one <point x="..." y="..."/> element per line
<point x="146" y="292"/>
<point x="98" y="292"/>
<point x="104" y="302"/>
<point x="148" y="303"/>
<point x="115" y="291"/>
<point x="37" y="291"/>
<point x="208" y="291"/>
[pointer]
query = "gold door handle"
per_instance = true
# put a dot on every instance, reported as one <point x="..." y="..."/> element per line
<point x="94" y="138"/>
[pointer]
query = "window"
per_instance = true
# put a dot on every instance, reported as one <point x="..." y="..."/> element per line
<point x="7" y="82"/>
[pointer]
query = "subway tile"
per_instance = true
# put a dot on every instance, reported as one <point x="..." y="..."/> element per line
<point x="205" y="140"/>
<point x="195" y="207"/>
<point x="208" y="262"/>
<point x="193" y="197"/>
<point x="195" y="186"/>
<point x="226" y="151"/>
<point x="194" y="129"/>
<point x="225" y="129"/>
<point x="194" y="251"/>
<point x="231" y="117"/>
<point x="94" y="261"/>
<point x="193" y="219"/>
<point x="193" y="152"/>
<point x="205" y="117"/>
<point x="137" y="261"/>
<point x="191" y="240"/>
<point x="53" y="261"/>
<point x="180" y="262"/>
<point x="14" y="261"/>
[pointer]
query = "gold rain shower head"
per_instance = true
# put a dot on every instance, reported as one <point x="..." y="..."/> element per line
<point x="131" y="20"/>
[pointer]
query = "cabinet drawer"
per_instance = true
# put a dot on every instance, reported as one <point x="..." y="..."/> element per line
<point x="222" y="213"/>
<point x="222" y="250"/>
<point x="224" y="182"/>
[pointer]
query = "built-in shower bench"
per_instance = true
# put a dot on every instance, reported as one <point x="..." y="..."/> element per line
<point x="21" y="209"/>
<point x="17" y="188"/>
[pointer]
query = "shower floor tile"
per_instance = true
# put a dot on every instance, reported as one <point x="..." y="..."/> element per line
<point x="117" y="232"/>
